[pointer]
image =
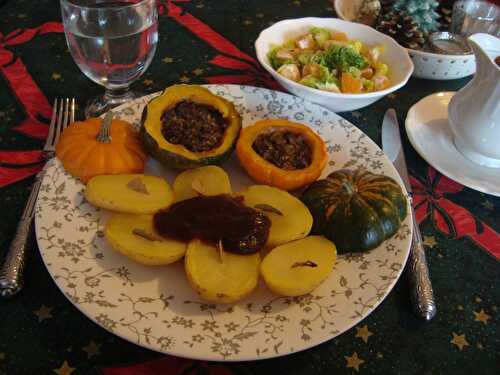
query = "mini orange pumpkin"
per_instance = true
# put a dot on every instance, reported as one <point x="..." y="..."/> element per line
<point x="87" y="149"/>
<point x="266" y="172"/>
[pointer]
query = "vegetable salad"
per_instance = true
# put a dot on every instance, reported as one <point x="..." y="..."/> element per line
<point x="327" y="60"/>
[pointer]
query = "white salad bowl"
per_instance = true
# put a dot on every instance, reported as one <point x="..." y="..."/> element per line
<point x="428" y="65"/>
<point x="395" y="56"/>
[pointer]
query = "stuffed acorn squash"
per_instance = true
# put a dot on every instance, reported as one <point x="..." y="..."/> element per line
<point x="187" y="126"/>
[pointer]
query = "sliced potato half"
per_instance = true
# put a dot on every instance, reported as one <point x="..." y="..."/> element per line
<point x="220" y="280"/>
<point x="300" y="266"/>
<point x="209" y="180"/>
<point x="129" y="193"/>
<point x="290" y="218"/>
<point x="134" y="236"/>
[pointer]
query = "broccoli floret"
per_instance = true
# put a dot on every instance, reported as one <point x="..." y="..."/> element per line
<point x="324" y="74"/>
<point x="275" y="61"/>
<point x="318" y="58"/>
<point x="310" y="81"/>
<point x="329" y="86"/>
<point x="355" y="72"/>
<point x="320" y="34"/>
<point x="305" y="57"/>
<point x="342" y="57"/>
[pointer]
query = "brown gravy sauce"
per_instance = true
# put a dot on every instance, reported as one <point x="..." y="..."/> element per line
<point x="243" y="230"/>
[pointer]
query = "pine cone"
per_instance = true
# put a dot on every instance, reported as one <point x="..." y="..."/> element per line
<point x="386" y="6"/>
<point x="402" y="28"/>
<point x="444" y="10"/>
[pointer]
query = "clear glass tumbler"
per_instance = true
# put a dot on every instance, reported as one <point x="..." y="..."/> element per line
<point x="113" y="43"/>
<point x="475" y="16"/>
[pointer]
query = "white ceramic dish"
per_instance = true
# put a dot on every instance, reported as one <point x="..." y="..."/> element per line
<point x="285" y="30"/>
<point x="156" y="308"/>
<point x="427" y="65"/>
<point x="429" y="132"/>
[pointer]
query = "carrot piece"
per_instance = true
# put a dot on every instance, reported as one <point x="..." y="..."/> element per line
<point x="340" y="36"/>
<point x="351" y="85"/>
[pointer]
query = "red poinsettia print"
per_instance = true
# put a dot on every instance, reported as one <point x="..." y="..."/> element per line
<point x="170" y="366"/>
<point x="229" y="57"/>
<point x="22" y="84"/>
<point x="17" y="165"/>
<point x="450" y="219"/>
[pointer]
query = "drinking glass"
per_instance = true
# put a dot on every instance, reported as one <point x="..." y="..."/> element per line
<point x="473" y="16"/>
<point x="113" y="43"/>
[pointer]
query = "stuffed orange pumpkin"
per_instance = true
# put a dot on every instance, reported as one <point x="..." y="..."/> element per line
<point x="281" y="153"/>
<point x="100" y="146"/>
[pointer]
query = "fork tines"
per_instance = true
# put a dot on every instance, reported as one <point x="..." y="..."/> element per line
<point x="63" y="114"/>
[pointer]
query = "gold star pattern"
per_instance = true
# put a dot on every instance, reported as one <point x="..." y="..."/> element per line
<point x="430" y="241"/>
<point x="56" y="76"/>
<point x="184" y="79"/>
<point x="380" y="355"/>
<point x="480" y="346"/>
<point x="478" y="300"/>
<point x="459" y="340"/>
<point x="247" y="22"/>
<point x="481" y="316"/>
<point x="353" y="361"/>
<point x="488" y="205"/>
<point x="168" y="60"/>
<point x="65" y="369"/>
<point x="363" y="333"/>
<point x="43" y="313"/>
<point x="92" y="349"/>
<point x="198" y="71"/>
<point x="147" y="82"/>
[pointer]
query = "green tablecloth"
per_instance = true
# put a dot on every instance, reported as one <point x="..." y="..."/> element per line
<point x="42" y="333"/>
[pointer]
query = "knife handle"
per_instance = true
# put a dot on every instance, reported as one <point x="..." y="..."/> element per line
<point x="422" y="295"/>
<point x="12" y="271"/>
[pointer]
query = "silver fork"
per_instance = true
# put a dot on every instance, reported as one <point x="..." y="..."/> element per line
<point x="12" y="271"/>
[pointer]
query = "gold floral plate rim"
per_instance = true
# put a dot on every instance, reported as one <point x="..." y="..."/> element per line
<point x="158" y="310"/>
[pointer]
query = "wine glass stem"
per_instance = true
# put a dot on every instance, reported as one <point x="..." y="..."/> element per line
<point x="117" y="94"/>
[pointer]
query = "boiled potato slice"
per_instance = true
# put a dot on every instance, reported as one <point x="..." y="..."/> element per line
<point x="291" y="221"/>
<point x="298" y="267"/>
<point x="209" y="180"/>
<point x="220" y="280"/>
<point x="129" y="193"/>
<point x="134" y="236"/>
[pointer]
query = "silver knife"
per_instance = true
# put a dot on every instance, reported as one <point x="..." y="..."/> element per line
<point x="418" y="273"/>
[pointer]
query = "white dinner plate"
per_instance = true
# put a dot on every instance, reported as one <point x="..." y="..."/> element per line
<point x="430" y="134"/>
<point x="156" y="308"/>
